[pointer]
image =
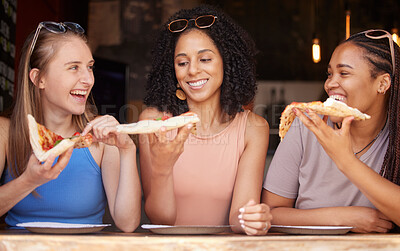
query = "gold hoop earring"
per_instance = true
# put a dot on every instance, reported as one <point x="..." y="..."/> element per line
<point x="180" y="93"/>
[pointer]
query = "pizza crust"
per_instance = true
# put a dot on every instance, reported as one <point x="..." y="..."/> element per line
<point x="83" y="141"/>
<point x="35" y="141"/>
<point x="330" y="107"/>
<point x="152" y="126"/>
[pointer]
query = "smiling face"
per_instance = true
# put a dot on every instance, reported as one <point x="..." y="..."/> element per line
<point x="198" y="66"/>
<point x="350" y="81"/>
<point x="68" y="78"/>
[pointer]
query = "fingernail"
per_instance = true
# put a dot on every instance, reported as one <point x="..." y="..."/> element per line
<point x="240" y="216"/>
<point x="241" y="222"/>
<point x="189" y="126"/>
<point x="241" y="210"/>
<point x="242" y="226"/>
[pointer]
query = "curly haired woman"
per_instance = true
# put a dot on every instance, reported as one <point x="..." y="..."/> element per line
<point x="204" y="62"/>
<point x="334" y="171"/>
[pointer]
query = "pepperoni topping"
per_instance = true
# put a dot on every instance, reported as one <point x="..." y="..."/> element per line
<point x="163" y="118"/>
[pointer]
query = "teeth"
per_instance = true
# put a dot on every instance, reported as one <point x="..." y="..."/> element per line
<point x="198" y="83"/>
<point x="337" y="97"/>
<point x="78" y="92"/>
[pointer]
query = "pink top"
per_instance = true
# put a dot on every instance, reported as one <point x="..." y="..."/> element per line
<point x="205" y="174"/>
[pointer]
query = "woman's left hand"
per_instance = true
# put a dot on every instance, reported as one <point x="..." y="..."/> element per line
<point x="255" y="219"/>
<point x="104" y="130"/>
<point x="336" y="143"/>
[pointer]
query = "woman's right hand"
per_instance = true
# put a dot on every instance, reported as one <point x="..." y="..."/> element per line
<point x="367" y="220"/>
<point x="165" y="151"/>
<point x="255" y="219"/>
<point x="37" y="173"/>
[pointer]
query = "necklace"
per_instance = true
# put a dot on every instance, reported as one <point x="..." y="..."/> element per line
<point x="372" y="141"/>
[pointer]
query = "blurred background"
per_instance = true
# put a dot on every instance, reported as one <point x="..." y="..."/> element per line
<point x="121" y="33"/>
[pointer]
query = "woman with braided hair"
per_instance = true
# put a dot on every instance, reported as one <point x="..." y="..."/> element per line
<point x="334" y="171"/>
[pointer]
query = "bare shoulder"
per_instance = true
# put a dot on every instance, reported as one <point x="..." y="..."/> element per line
<point x="257" y="134"/>
<point x="97" y="150"/>
<point x="4" y="127"/>
<point x="150" y="113"/>
<point x="256" y="123"/>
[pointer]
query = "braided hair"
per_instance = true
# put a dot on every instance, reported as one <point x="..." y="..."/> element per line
<point x="377" y="52"/>
<point x="236" y="48"/>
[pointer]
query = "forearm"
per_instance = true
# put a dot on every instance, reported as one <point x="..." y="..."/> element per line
<point x="13" y="192"/>
<point x="313" y="217"/>
<point x="234" y="222"/>
<point x="127" y="206"/>
<point x="160" y="204"/>
<point x="234" y="219"/>
<point x="383" y="194"/>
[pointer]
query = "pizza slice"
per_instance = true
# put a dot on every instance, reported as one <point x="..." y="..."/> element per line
<point x="45" y="142"/>
<point x="330" y="107"/>
<point x="152" y="126"/>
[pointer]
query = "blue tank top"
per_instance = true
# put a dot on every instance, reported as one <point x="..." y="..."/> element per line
<point x="76" y="196"/>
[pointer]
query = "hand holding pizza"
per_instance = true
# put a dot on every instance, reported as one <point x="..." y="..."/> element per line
<point x="104" y="129"/>
<point x="330" y="107"/>
<point x="37" y="173"/>
<point x="336" y="143"/>
<point x="166" y="151"/>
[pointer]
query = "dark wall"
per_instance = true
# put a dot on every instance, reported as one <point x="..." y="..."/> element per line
<point x="7" y="52"/>
<point x="283" y="30"/>
<point x="30" y="13"/>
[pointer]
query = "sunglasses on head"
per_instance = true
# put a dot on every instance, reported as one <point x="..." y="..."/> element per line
<point x="200" y="22"/>
<point x="379" y="34"/>
<point x="55" y="28"/>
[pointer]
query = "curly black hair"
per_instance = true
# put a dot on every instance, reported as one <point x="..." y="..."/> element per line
<point x="236" y="48"/>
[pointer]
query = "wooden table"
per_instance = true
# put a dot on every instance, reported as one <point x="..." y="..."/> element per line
<point x="21" y="240"/>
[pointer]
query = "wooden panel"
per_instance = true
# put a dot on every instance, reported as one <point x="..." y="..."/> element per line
<point x="10" y="240"/>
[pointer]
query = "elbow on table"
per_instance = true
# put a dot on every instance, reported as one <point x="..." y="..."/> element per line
<point x="160" y="216"/>
<point x="237" y="229"/>
<point x="159" y="219"/>
<point x="128" y="226"/>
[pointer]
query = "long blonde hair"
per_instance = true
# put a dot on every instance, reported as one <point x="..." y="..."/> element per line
<point x="28" y="100"/>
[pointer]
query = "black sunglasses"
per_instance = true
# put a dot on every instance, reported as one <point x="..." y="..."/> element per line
<point x="200" y="22"/>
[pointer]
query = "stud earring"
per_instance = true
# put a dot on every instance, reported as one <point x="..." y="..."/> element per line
<point x="179" y="93"/>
